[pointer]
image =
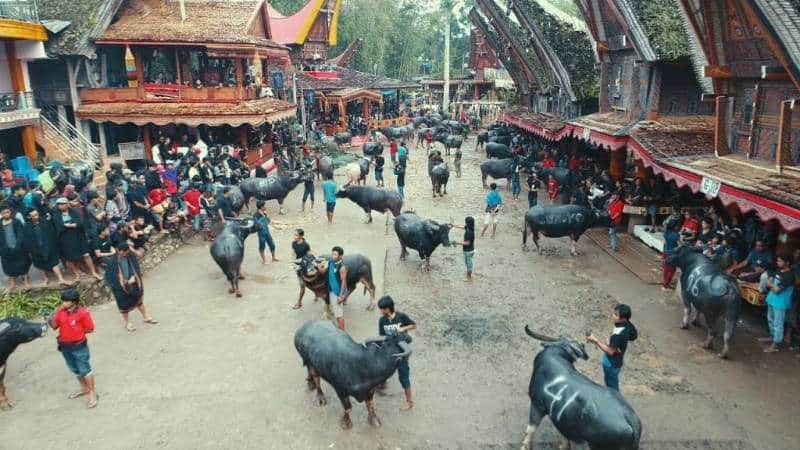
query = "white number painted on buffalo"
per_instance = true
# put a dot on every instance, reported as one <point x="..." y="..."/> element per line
<point x="693" y="281"/>
<point x="555" y="390"/>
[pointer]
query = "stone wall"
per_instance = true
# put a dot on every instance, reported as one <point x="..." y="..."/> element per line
<point x="95" y="292"/>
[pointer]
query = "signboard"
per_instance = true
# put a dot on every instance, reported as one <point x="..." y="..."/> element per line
<point x="131" y="150"/>
<point x="709" y="186"/>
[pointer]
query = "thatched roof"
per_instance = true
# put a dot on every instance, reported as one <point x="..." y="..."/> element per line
<point x="253" y="112"/>
<point x="663" y="26"/>
<point x="349" y="78"/>
<point x="207" y="21"/>
<point x="88" y="19"/>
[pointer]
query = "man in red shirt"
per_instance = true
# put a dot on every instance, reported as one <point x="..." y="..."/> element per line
<point x="73" y="323"/>
<point x="574" y="163"/>
<point x="552" y="188"/>
<point x="615" y="208"/>
<point x="393" y="151"/>
<point x="192" y="199"/>
<point x="548" y="162"/>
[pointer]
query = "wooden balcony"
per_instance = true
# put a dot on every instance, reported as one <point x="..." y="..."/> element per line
<point x="168" y="93"/>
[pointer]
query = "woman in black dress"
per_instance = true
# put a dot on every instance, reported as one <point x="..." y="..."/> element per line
<point x="42" y="245"/>
<point x="468" y="244"/>
<point x="13" y="256"/>
<point x="124" y="277"/>
<point x="73" y="245"/>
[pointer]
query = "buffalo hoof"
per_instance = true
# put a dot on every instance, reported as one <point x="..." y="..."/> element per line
<point x="6" y="405"/>
<point x="375" y="421"/>
<point x="346" y="423"/>
<point x="320" y="400"/>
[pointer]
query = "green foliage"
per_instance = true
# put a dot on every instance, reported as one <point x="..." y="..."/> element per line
<point x="663" y="23"/>
<point x="287" y="7"/>
<point x="20" y="304"/>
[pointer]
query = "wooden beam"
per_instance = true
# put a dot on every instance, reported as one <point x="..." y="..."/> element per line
<point x="17" y="29"/>
<point x="756" y="115"/>
<point x="778" y="73"/>
<point x="783" y="154"/>
<point x="602" y="47"/>
<point x="148" y="142"/>
<point x="717" y="72"/>
<point x="721" y="127"/>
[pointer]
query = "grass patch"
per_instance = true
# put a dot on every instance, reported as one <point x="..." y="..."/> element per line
<point x="21" y="304"/>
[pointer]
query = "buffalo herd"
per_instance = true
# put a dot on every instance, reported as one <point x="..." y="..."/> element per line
<point x="580" y="409"/>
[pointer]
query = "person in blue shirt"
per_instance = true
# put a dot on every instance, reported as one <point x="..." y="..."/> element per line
<point x="329" y="187"/>
<point x="493" y="203"/>
<point x="337" y="285"/>
<point x="402" y="154"/>
<point x="779" y="300"/>
<point x="264" y="236"/>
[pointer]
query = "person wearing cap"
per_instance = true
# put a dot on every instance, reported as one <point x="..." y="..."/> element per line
<point x="124" y="277"/>
<point x="13" y="257"/>
<point x="41" y="244"/>
<point x="72" y="238"/>
<point x="95" y="213"/>
<point x="73" y="323"/>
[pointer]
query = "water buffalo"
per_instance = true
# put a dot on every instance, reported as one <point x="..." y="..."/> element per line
<point x="452" y="141"/>
<point x="421" y="135"/>
<point x="497" y="169"/>
<point x="13" y="332"/>
<point x="372" y="149"/>
<point x="275" y="187"/>
<point x="370" y="198"/>
<point x="228" y="250"/>
<point x="422" y="235"/>
<point x="710" y="290"/>
<point x="357" y="171"/>
<point x="566" y="178"/>
<point x="482" y="139"/>
<point x="79" y="174"/>
<point x="359" y="270"/>
<point x="352" y="369"/>
<point x="580" y="409"/>
<point x="500" y="151"/>
<point x="560" y="221"/>
<point x="237" y="198"/>
<point x="342" y="138"/>
<point x="325" y="167"/>
<point x="439" y="176"/>
<point x="500" y="139"/>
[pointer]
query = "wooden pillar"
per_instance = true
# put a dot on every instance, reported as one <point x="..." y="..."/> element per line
<point x="721" y="127"/>
<point x="148" y="142"/>
<point x="243" y="137"/>
<point x="616" y="167"/>
<point x="18" y="86"/>
<point x="342" y="114"/>
<point x="137" y="56"/>
<point x="366" y="108"/>
<point x="476" y="92"/>
<point x="177" y="67"/>
<point x="239" y="76"/>
<point x="641" y="170"/>
<point x="783" y="154"/>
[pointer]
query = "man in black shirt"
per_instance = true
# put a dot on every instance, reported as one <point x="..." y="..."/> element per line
<point x="224" y="205"/>
<point x="391" y="323"/>
<point x="614" y="351"/>
<point x="300" y="248"/>
<point x="102" y="245"/>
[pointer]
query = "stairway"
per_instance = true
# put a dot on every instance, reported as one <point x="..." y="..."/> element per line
<point x="62" y="141"/>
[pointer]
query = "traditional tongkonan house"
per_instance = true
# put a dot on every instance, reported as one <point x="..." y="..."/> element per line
<point x="309" y="32"/>
<point x="193" y="71"/>
<point x="561" y="91"/>
<point x="747" y="53"/>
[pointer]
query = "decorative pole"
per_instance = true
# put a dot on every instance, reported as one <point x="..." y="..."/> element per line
<point x="446" y="68"/>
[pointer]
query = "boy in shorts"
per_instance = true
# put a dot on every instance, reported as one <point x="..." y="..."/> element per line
<point x="493" y="203"/>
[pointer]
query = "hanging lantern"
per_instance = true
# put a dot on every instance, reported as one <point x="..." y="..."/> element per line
<point x="130" y="68"/>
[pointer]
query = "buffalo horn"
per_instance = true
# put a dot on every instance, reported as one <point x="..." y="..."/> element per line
<point x="374" y="340"/>
<point x="406" y="350"/>
<point x="538" y="336"/>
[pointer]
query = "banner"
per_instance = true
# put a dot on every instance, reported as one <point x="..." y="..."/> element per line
<point x="131" y="150"/>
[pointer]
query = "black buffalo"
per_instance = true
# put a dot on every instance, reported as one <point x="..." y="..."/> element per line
<point x="270" y="188"/>
<point x="566" y="178"/>
<point x="325" y="167"/>
<point x="439" y="176"/>
<point x="580" y="409"/>
<point x="372" y="149"/>
<point x="342" y="138"/>
<point x="352" y="369"/>
<point x="710" y="290"/>
<point x="495" y="150"/>
<point x="560" y="221"/>
<point x="483" y="138"/>
<point x="497" y="169"/>
<point x="422" y="235"/>
<point x="372" y="199"/>
<point x="359" y="270"/>
<point x="500" y="139"/>
<point x="236" y="198"/>
<point x="228" y="250"/>
<point x="452" y="141"/>
<point x="13" y="332"/>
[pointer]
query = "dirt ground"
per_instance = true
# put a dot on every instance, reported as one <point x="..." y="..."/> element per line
<point x="222" y="373"/>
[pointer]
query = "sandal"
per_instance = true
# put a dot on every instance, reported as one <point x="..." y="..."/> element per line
<point x="297" y="306"/>
<point x="130" y="327"/>
<point x="77" y="394"/>
<point x="771" y="350"/>
<point x="151" y="321"/>
<point x="93" y="403"/>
